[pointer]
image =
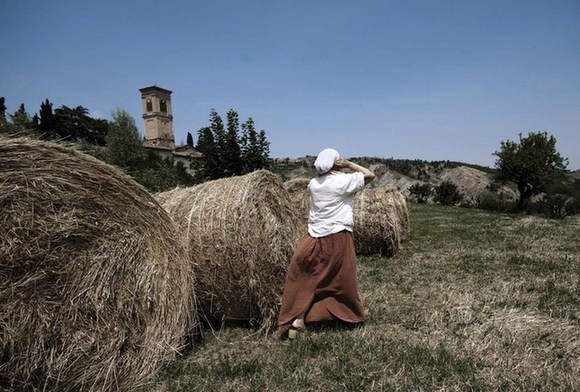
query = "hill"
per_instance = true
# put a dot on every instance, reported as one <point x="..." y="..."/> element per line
<point x="472" y="180"/>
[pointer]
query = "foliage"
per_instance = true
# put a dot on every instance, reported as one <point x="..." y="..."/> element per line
<point x="207" y="168"/>
<point x="21" y="118"/>
<point x="47" y="120"/>
<point x="533" y="164"/>
<point x="2" y="109"/>
<point x="447" y="193"/>
<point x="124" y="145"/>
<point x="68" y="124"/>
<point x="160" y="174"/>
<point x="125" y="149"/>
<point x="559" y="206"/>
<point x="117" y="143"/>
<point x="493" y="201"/>
<point x="75" y="124"/>
<point x="255" y="148"/>
<point x="421" y="192"/>
<point x="227" y="151"/>
<point x="189" y="139"/>
<point x="12" y="130"/>
<point x="230" y="152"/>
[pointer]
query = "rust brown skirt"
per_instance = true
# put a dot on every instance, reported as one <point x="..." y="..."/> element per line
<point x="322" y="278"/>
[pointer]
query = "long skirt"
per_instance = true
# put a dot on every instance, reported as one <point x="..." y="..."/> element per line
<point x="321" y="279"/>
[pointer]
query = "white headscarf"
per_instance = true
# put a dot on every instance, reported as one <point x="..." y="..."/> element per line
<point x="325" y="160"/>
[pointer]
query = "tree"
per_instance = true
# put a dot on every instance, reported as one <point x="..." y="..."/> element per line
<point x="208" y="167"/>
<point x="219" y="134"/>
<point x="124" y="145"/>
<point x="533" y="164"/>
<point x="11" y="129"/>
<point x="75" y="124"/>
<point x="21" y="118"/>
<point x="255" y="148"/>
<point x="231" y="153"/>
<point x="2" y="109"/>
<point x="189" y="139"/>
<point x="47" y="121"/>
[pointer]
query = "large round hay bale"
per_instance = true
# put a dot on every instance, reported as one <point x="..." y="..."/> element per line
<point x="240" y="233"/>
<point x="381" y="221"/>
<point x="95" y="290"/>
<point x="298" y="191"/>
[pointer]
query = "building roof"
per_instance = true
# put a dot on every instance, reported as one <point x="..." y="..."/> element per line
<point x="184" y="151"/>
<point x="187" y="151"/>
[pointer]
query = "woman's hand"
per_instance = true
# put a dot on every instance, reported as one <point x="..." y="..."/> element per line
<point x="341" y="163"/>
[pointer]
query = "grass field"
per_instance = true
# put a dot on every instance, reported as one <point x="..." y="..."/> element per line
<point x="474" y="301"/>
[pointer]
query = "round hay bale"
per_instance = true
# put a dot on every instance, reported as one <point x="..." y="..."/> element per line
<point x="298" y="191"/>
<point x="95" y="290"/>
<point x="381" y="220"/>
<point x="239" y="233"/>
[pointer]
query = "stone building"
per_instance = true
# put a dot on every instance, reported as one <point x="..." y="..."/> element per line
<point x="158" y="131"/>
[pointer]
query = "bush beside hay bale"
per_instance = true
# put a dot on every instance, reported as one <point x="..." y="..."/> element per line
<point x="95" y="290"/>
<point x="381" y="221"/>
<point x="239" y="233"/>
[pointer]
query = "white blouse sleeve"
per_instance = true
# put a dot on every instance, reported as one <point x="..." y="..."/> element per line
<point x="355" y="182"/>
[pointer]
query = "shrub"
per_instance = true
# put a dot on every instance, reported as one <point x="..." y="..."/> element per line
<point x="421" y="192"/>
<point x="559" y="206"/>
<point x="447" y="193"/>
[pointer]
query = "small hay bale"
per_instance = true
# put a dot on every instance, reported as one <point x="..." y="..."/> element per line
<point x="381" y="220"/>
<point x="298" y="191"/>
<point x="240" y="233"/>
<point x="95" y="290"/>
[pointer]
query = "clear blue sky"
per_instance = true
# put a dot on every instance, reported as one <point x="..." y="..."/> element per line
<point x="432" y="80"/>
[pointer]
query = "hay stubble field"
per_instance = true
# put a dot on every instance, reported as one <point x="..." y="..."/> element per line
<point x="473" y="301"/>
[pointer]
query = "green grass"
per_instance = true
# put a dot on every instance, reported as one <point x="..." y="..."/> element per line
<point x="474" y="301"/>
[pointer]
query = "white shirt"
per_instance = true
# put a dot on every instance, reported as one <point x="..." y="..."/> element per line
<point x="331" y="197"/>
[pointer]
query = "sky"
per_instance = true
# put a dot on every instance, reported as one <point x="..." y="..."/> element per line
<point x="431" y="80"/>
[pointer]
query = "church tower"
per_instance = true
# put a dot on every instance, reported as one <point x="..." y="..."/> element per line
<point x="158" y="117"/>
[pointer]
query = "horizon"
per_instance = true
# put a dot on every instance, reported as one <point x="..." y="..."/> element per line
<point x="409" y="80"/>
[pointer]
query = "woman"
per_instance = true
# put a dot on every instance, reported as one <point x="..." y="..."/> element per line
<point x="321" y="282"/>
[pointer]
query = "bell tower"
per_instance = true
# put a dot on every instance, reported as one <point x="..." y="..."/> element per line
<point x="158" y="117"/>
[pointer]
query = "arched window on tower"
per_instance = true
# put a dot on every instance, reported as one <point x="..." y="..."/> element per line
<point x="149" y="105"/>
<point x="163" y="106"/>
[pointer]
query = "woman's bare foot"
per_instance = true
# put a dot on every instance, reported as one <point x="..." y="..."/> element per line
<point x="298" y="324"/>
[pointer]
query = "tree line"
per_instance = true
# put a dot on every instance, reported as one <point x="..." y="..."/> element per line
<point x="227" y="150"/>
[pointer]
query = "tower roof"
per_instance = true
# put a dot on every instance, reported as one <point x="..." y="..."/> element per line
<point x="154" y="88"/>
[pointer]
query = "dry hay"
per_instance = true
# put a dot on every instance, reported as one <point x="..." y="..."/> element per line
<point x="298" y="191"/>
<point x="94" y="289"/>
<point x="239" y="233"/>
<point x="381" y="221"/>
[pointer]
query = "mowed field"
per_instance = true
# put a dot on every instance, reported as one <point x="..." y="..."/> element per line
<point x="473" y="301"/>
